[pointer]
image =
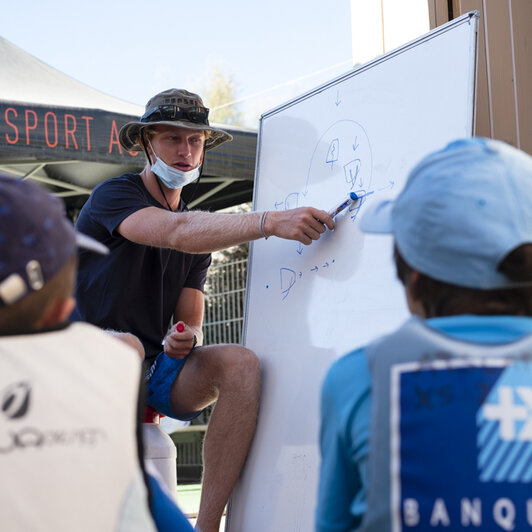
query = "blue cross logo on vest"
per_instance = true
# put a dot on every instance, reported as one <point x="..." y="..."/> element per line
<point x="505" y="429"/>
<point x="462" y="454"/>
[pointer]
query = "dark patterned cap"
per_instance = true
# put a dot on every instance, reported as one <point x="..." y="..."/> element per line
<point x="36" y="239"/>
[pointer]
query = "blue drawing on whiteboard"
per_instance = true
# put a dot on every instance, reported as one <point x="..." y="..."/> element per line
<point x="288" y="279"/>
<point x="332" y="153"/>
<point x="340" y="161"/>
<point x="390" y="185"/>
<point x="344" y="144"/>
<point x="289" y="276"/>
<point x="351" y="171"/>
<point x="345" y="151"/>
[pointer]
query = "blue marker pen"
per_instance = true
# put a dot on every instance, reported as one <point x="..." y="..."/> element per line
<point x="339" y="208"/>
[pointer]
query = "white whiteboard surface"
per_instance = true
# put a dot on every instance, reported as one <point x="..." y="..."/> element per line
<point x="308" y="305"/>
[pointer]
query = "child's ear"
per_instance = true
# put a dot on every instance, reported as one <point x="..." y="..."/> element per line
<point x="412" y="295"/>
<point x="57" y="312"/>
<point x="413" y="283"/>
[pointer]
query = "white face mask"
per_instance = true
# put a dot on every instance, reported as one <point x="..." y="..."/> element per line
<point x="172" y="177"/>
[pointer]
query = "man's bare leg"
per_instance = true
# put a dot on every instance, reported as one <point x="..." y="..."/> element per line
<point x="129" y="339"/>
<point x="229" y="375"/>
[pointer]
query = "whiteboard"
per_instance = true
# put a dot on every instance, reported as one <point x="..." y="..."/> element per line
<point x="308" y="305"/>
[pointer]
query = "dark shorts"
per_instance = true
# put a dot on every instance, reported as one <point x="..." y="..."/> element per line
<point x="159" y="378"/>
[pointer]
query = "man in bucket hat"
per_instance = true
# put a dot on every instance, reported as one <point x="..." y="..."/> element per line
<point x="155" y="274"/>
<point x="69" y="453"/>
<point x="431" y="425"/>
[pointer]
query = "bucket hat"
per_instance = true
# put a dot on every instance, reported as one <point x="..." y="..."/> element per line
<point x="462" y="211"/>
<point x="36" y="238"/>
<point x="173" y="107"/>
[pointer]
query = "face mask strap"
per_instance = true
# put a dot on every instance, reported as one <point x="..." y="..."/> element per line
<point x="143" y="142"/>
<point x="193" y="194"/>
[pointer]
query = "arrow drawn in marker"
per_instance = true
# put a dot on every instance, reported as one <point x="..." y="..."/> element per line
<point x="389" y="185"/>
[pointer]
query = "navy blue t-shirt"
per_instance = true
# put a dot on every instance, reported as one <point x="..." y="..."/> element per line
<point x="135" y="288"/>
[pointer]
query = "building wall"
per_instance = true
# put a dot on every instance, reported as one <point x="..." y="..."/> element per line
<point x="504" y="83"/>
<point x="380" y="26"/>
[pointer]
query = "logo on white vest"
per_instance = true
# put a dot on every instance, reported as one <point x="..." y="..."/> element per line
<point x="21" y="432"/>
<point x="16" y="400"/>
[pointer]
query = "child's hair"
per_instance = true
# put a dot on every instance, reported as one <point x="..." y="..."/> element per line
<point x="444" y="299"/>
<point x="21" y="317"/>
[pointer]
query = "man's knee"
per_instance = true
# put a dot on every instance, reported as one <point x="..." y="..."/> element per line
<point x="243" y="373"/>
<point x="213" y="371"/>
<point x="128" y="339"/>
<point x="246" y="358"/>
<point x="239" y="364"/>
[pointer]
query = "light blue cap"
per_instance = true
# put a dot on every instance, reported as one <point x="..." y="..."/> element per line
<point x="462" y="210"/>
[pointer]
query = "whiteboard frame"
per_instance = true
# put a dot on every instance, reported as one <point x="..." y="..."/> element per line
<point x="468" y="18"/>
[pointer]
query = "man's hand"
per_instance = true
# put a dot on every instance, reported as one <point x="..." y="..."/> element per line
<point x="180" y="340"/>
<point x="303" y="224"/>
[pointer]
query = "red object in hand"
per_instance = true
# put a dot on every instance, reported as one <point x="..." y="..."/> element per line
<point x="180" y="327"/>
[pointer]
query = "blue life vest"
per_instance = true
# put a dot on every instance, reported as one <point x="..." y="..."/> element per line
<point x="451" y="433"/>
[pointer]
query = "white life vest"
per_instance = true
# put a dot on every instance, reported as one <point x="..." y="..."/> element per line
<point x="68" y="448"/>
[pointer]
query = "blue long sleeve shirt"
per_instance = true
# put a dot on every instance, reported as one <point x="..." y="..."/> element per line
<point x="346" y="412"/>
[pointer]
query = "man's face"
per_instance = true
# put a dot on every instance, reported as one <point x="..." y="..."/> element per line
<point x="179" y="147"/>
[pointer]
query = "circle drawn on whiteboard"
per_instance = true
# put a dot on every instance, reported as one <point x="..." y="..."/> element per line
<point x="343" y="153"/>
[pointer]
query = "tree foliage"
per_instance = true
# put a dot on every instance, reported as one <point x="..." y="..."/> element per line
<point x="220" y="91"/>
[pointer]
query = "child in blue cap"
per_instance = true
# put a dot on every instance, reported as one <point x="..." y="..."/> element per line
<point x="430" y="427"/>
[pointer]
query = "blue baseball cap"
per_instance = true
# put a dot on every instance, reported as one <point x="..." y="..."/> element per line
<point x="462" y="210"/>
<point x="36" y="239"/>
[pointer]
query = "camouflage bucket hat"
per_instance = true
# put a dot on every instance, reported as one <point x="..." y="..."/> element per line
<point x="173" y="107"/>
